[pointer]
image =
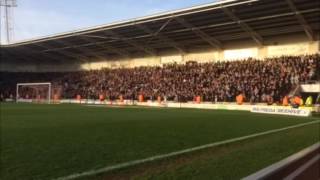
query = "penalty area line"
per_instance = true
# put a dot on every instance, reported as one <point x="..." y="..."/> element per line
<point x="176" y="153"/>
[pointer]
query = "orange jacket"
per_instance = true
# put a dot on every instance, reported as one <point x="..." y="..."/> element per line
<point x="285" y="101"/>
<point x="240" y="99"/>
<point x="297" y="100"/>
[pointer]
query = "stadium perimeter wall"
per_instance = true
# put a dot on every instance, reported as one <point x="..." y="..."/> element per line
<point x="256" y="108"/>
<point x="232" y="51"/>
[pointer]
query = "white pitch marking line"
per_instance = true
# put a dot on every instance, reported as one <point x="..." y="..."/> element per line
<point x="175" y="153"/>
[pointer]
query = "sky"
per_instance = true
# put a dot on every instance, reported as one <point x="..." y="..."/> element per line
<point x="36" y="18"/>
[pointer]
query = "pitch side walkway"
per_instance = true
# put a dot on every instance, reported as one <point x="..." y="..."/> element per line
<point x="302" y="165"/>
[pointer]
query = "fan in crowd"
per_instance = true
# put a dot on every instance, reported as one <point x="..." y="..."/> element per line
<point x="266" y="80"/>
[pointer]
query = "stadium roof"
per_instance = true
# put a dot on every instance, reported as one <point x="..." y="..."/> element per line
<point x="209" y="25"/>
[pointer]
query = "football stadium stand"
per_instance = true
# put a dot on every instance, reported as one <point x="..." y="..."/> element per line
<point x="266" y="81"/>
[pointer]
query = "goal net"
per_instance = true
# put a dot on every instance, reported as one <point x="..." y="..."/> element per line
<point x="33" y="92"/>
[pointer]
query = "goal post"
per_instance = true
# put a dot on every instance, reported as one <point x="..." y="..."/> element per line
<point x="33" y="92"/>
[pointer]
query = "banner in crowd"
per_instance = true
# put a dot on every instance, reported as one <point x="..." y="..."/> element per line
<point x="281" y="110"/>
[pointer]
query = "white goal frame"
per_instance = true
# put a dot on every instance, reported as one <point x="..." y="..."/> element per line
<point x="34" y="84"/>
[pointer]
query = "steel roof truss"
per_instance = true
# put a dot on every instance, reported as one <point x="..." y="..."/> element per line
<point x="69" y="54"/>
<point x="244" y="26"/>
<point x="35" y="54"/>
<point x="87" y="51"/>
<point x="209" y="39"/>
<point x="120" y="52"/>
<point x="131" y="42"/>
<point x="162" y="38"/>
<point x="306" y="27"/>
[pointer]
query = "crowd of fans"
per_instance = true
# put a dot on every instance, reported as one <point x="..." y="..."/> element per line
<point x="257" y="80"/>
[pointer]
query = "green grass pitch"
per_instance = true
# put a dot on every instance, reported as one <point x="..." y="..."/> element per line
<point x="51" y="141"/>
